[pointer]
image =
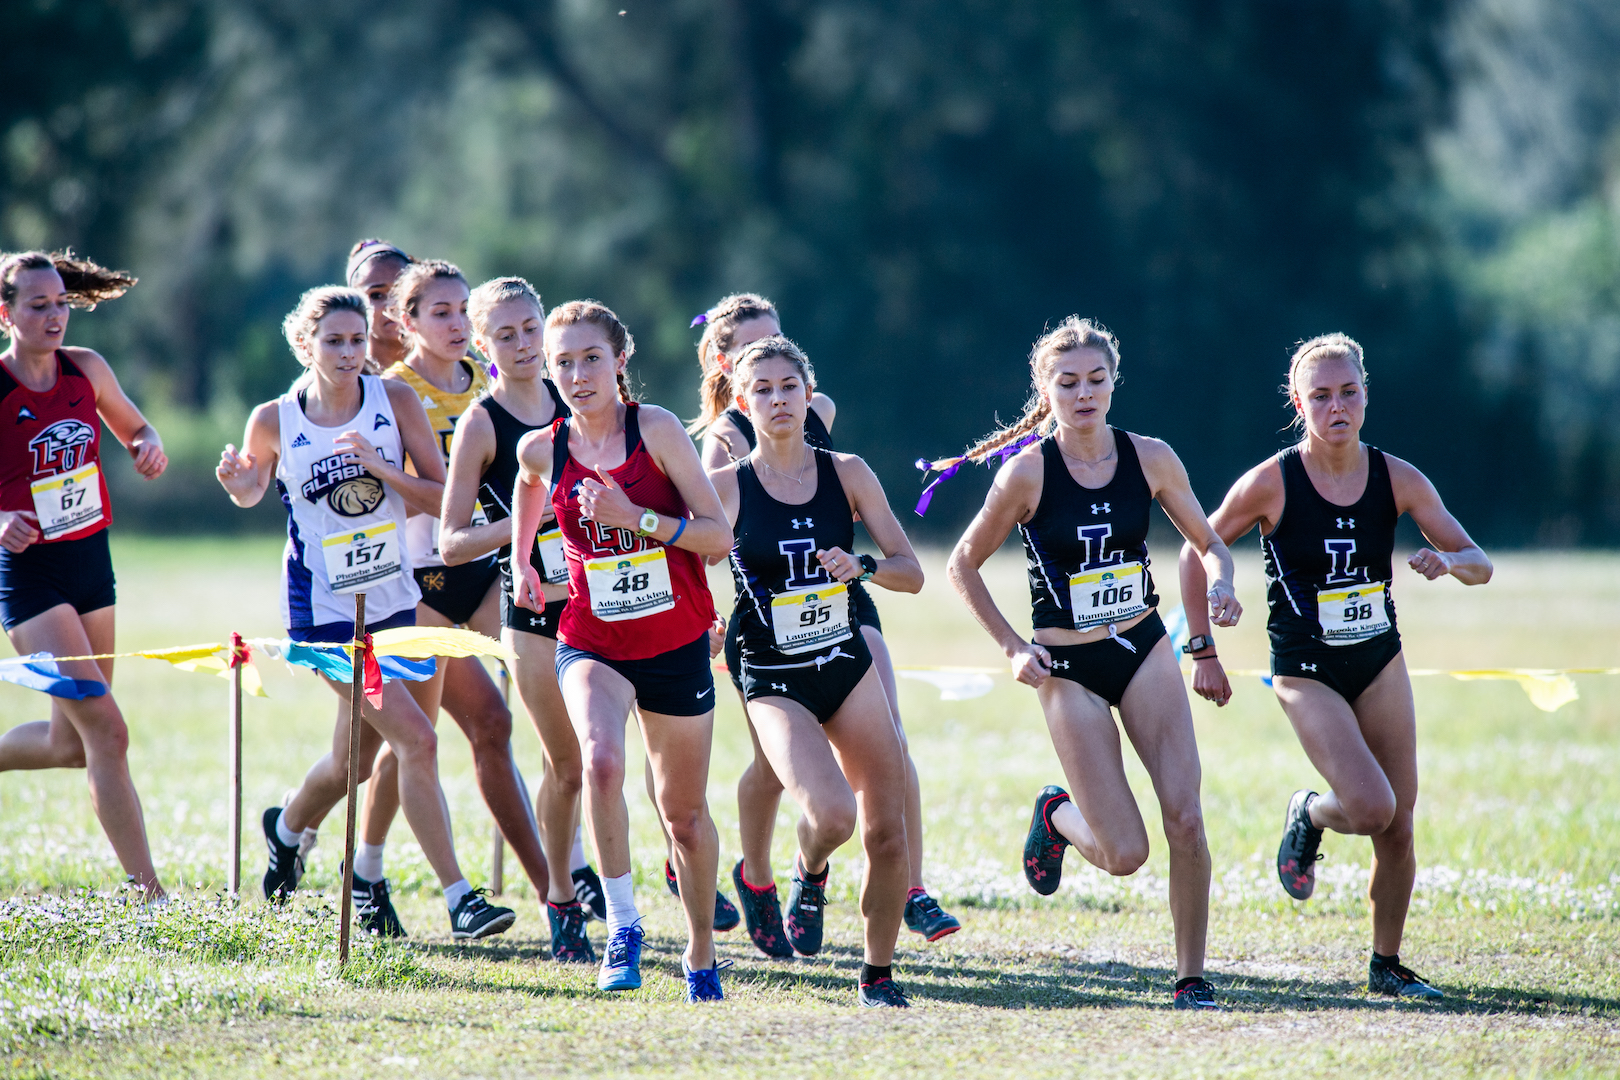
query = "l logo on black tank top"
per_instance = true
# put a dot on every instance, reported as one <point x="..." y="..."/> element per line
<point x="1341" y="572"/>
<point x="800" y="556"/>
<point x="1094" y="537"/>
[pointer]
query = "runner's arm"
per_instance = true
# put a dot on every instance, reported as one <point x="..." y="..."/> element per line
<point x="824" y="407"/>
<point x="423" y="484"/>
<point x="1168" y="478"/>
<point x="121" y="416"/>
<point x="245" y="474"/>
<point x="898" y="570"/>
<point x="530" y="500"/>
<point x="706" y="532"/>
<point x="723" y="443"/>
<point x="1453" y="551"/>
<point x="472" y="448"/>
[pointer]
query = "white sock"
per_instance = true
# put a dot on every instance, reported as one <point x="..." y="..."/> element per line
<point x="286" y="835"/>
<point x="621" y="903"/>
<point x="453" y="893"/>
<point x="368" y="861"/>
<point x="576" y="858"/>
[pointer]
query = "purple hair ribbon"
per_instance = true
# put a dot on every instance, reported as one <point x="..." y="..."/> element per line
<point x="699" y="321"/>
<point x="949" y="467"/>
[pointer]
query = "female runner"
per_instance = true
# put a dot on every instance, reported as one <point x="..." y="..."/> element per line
<point x="728" y="434"/>
<point x="1327" y="508"/>
<point x="374" y="266"/>
<point x="507" y="323"/>
<point x="336" y="445"/>
<point x="1080" y="497"/>
<point x="623" y="479"/>
<point x="56" y="574"/>
<point x="813" y="694"/>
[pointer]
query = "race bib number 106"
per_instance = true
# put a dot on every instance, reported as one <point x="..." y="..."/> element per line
<point x="1109" y="595"/>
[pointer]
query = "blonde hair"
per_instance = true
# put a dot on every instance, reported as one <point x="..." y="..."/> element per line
<point x="768" y="348"/>
<point x="303" y="322"/>
<point x="1322" y="347"/>
<point x="1070" y="334"/>
<point x="720" y="325"/>
<point x="87" y="283"/>
<point x="494" y="292"/>
<point x="600" y="316"/>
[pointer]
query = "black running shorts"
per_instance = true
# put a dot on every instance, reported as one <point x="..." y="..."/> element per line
<point x="544" y="623"/>
<point x="1345" y="669"/>
<point x="820" y="683"/>
<point x="1106" y="667"/>
<point x="676" y="683"/>
<point x="862" y="608"/>
<point x="41" y="576"/>
<point x="456" y="591"/>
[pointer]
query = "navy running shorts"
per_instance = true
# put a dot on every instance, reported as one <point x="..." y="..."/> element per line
<point x="676" y="683"/>
<point x="543" y="623"/>
<point x="42" y="576"/>
<point x="820" y="683"/>
<point x="1106" y="667"/>
<point x="457" y="591"/>
<point x="1347" y="670"/>
<point x="341" y="633"/>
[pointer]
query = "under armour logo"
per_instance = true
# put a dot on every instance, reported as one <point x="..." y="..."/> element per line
<point x="1064" y="664"/>
<point x="782" y="687"/>
<point x="302" y="440"/>
<point x="1101" y="508"/>
<point x="381" y="421"/>
<point x="804" y="523"/>
<point x="1307" y="667"/>
<point x="1346" y="523"/>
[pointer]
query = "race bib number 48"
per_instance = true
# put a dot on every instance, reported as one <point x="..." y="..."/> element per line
<point x="1354" y="613"/>
<point x="629" y="586"/>
<point x="362" y="557"/>
<point x="1108" y="595"/>
<point x="68" y="501"/>
<point x="807" y="619"/>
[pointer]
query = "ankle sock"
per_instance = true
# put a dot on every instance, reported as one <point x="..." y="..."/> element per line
<point x="1182" y="984"/>
<point x="576" y="857"/>
<point x="871" y="973"/>
<point x="914" y="893"/>
<point x="621" y="903"/>
<point x="813" y="879"/>
<point x="368" y="861"/>
<point x="1388" y="961"/>
<point x="454" y="893"/>
<point x="288" y="837"/>
<point x="761" y="889"/>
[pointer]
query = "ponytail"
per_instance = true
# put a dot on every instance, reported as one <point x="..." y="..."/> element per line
<point x="719" y="337"/>
<point x="87" y="283"/>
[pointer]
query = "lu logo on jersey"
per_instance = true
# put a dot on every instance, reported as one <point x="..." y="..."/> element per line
<point x="62" y="447"/>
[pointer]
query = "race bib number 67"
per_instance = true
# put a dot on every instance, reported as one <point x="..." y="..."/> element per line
<point x="68" y="501"/>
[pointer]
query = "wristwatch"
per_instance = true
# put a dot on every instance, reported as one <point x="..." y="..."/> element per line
<point x="869" y="566"/>
<point x="648" y="523"/>
<point x="1198" y="644"/>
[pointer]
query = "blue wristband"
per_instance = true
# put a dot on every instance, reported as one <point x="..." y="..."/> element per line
<point x="678" y="530"/>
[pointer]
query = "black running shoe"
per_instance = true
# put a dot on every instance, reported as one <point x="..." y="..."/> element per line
<point x="569" y="944"/>
<point x="1196" y="995"/>
<point x="1398" y="980"/>
<point x="807" y="901"/>
<point x="476" y="918"/>
<point x="374" y="910"/>
<point x="1297" y="855"/>
<point x="286" y="865"/>
<point x="588" y="891"/>
<point x="924" y="916"/>
<point x="725" y="916"/>
<point x="763" y="911"/>
<point x="1044" y="846"/>
<point x="883" y="994"/>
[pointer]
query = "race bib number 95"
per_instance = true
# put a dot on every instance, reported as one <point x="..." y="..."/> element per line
<point x="629" y="586"/>
<point x="807" y="619"/>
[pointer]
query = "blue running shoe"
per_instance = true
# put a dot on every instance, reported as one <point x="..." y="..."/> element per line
<point x="725" y="915"/>
<point x="621" y="965"/>
<point x="704" y="984"/>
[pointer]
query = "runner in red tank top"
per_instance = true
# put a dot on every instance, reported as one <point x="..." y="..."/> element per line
<point x="56" y="578"/>
<point x="638" y="515"/>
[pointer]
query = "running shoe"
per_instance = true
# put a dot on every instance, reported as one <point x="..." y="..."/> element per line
<point x="476" y="918"/>
<point x="309" y="838"/>
<point x="621" y="967"/>
<point x="1397" y="980"/>
<point x="924" y="916"/>
<point x="1198" y="994"/>
<point x="286" y="865"/>
<point x="1044" y="846"/>
<point x="763" y="911"/>
<point x="588" y="891"/>
<point x="704" y="984"/>
<point x="1297" y="855"/>
<point x="725" y="915"/>
<point x="374" y="909"/>
<point x="807" y="901"/>
<point x="569" y="943"/>
<point x="883" y="994"/>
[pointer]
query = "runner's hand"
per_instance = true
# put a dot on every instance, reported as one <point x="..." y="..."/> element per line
<point x="1224" y="608"/>
<point x="527" y="590"/>
<point x="150" y="460"/>
<point x="606" y="503"/>
<point x="717" y="637"/>
<point x="840" y="564"/>
<point x="1431" y="564"/>
<point x="1031" y="664"/>
<point x="18" y="529"/>
<point x="1210" y="681"/>
<point x="362" y="452"/>
<point x="238" y="473"/>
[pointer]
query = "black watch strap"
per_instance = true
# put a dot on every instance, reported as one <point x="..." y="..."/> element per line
<point x="1198" y="644"/>
<point x="868" y="567"/>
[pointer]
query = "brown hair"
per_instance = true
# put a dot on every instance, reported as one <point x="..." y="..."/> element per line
<point x="413" y="281"/>
<point x="303" y="321"/>
<point x="372" y="248"/>
<point x="495" y="291"/>
<point x="1322" y="347"/>
<point x="600" y="316"/>
<point x="87" y="283"/>
<point x="766" y="348"/>
<point x="1070" y="334"/>
<point x="720" y="336"/>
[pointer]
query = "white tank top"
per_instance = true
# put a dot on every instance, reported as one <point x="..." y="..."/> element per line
<point x="345" y="527"/>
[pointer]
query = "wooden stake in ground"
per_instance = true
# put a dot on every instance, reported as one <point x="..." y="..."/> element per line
<point x="357" y="697"/>
<point x="234" y="800"/>
<point x="497" y="857"/>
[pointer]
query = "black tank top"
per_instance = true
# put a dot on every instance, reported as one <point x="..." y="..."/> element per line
<point x="1095" y="538"/>
<point x="1341" y="552"/>
<point x="495" y="487"/>
<point x="815" y="432"/>
<point x="774" y="555"/>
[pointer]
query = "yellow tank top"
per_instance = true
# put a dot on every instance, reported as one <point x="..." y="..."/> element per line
<point x="443" y="408"/>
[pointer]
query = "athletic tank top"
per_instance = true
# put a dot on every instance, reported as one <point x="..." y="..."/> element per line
<point x="629" y="597"/>
<point x="50" y="454"/>
<point x="345" y="527"/>
<point x="1087" y="547"/>
<point x="787" y="603"/>
<point x="443" y="410"/>
<point x="496" y="486"/>
<point x="815" y="431"/>
<point x="1328" y="567"/>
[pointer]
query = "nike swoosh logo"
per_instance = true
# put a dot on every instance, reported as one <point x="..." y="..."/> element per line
<point x="707" y="692"/>
<point x="74" y="404"/>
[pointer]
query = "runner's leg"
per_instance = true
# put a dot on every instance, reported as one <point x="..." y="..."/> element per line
<point x="679" y="747"/>
<point x="556" y="802"/>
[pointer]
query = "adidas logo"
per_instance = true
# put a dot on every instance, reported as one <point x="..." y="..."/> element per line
<point x="302" y="440"/>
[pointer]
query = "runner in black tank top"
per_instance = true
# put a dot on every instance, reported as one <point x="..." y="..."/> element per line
<point x="1327" y="510"/>
<point x="807" y="673"/>
<point x="1081" y="497"/>
<point x="506" y="319"/>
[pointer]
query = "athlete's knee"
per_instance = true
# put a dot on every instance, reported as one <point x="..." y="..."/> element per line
<point x="834" y="821"/>
<point x="1398" y="833"/>
<point x="759" y="781"/>
<point x="688" y="824"/>
<point x="604" y="766"/>
<point x="884" y="842"/>
<point x="419" y="744"/>
<point x="1183" y="826"/>
<point x="1124" y="859"/>
<point x="1369" y="813"/>
<point x="489" y="727"/>
<point x="107" y="736"/>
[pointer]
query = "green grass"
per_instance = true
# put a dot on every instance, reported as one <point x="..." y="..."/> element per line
<point x="1516" y="913"/>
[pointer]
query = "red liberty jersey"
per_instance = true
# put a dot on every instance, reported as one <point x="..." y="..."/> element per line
<point x="47" y="442"/>
<point x="616" y="572"/>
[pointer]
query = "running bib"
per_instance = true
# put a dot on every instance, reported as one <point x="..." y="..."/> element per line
<point x="1109" y="595"/>
<point x="68" y="501"/>
<point x="555" y="562"/>
<point x="807" y="619"/>
<point x="479" y="517"/>
<point x="1352" y="614"/>
<point x="362" y="557"/>
<point x="629" y="586"/>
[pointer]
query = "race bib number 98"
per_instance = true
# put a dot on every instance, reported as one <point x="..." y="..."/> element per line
<point x="362" y="557"/>
<point x="629" y="586"/>
<point x="807" y="619"/>
<point x="67" y="502"/>
<point x="1352" y="614"/>
<point x="1109" y="595"/>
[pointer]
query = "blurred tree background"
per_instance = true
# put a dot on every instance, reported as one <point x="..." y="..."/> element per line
<point x="921" y="185"/>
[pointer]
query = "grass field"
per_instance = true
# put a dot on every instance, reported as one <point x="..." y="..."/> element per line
<point x="1516" y="913"/>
